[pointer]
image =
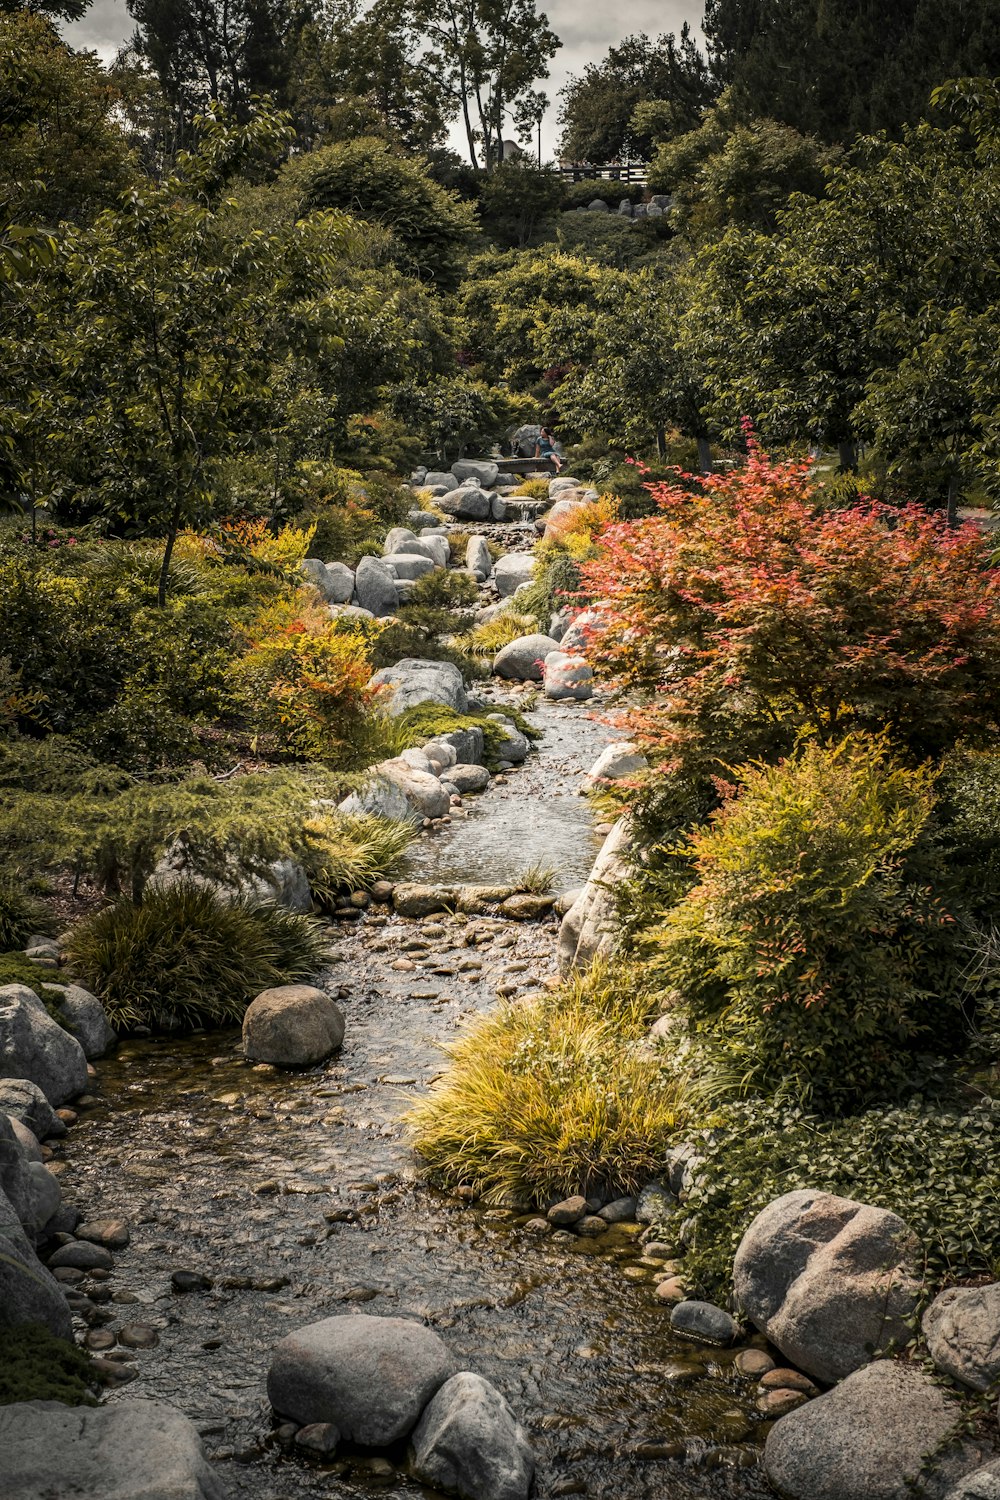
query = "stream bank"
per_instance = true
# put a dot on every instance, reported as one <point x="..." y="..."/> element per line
<point x="296" y="1195"/>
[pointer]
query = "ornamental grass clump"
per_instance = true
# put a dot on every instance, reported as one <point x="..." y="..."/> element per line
<point x="551" y="1096"/>
<point x="816" y="952"/>
<point x="344" y="854"/>
<point x="22" y="914"/>
<point x="188" y="956"/>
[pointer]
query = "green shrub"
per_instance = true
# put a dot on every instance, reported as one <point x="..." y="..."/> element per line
<point x="549" y="1097"/>
<point x="935" y="1164"/>
<point x="188" y="956"/>
<point x="37" y="1366"/>
<point x="345" y="854"/>
<point x="486" y="640"/>
<point x="21" y="914"/>
<point x="555" y="586"/>
<point x="815" y="955"/>
<point x="16" y="969"/>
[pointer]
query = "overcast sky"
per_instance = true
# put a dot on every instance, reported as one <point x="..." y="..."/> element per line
<point x="587" y="27"/>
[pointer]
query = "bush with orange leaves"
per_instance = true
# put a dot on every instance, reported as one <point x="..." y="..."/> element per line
<point x="305" y="678"/>
<point x="743" y="614"/>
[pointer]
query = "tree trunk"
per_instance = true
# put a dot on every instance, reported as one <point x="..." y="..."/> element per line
<point x="953" y="493"/>
<point x="705" y="465"/>
<point x="661" y="440"/>
<point x="847" y="454"/>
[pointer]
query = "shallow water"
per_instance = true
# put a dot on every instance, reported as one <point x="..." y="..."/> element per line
<point x="299" y="1196"/>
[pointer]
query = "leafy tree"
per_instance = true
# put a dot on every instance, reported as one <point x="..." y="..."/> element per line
<point x="62" y="10"/>
<point x="62" y="153"/>
<point x="602" y="117"/>
<point x="484" y="56"/>
<point x="368" y="178"/>
<point x="517" y="203"/>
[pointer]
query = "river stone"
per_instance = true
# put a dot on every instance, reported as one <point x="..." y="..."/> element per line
<point x="113" y="1234"/>
<point x="568" y="1212"/>
<point x="83" y="1256"/>
<point x="828" y="1280"/>
<point x="34" y="1046"/>
<point x="375" y="587"/>
<point x="371" y="1377"/>
<point x="617" y="761"/>
<point x="46" y="1198"/>
<point x="982" y="1484"/>
<point x="588" y="929"/>
<point x="514" y="745"/>
<point x="84" y="1016"/>
<point x="28" y="1292"/>
<point x="382" y="797"/>
<point x="468" y="503"/>
<point x="411" y="899"/>
<point x="131" y="1450"/>
<point x="482" y="471"/>
<point x="438" y="479"/>
<point x="24" y="1101"/>
<point x="469" y="1443"/>
<point x="469" y="778"/>
<point x="962" y="1329"/>
<point x="703" y="1322"/>
<point x="425" y="795"/>
<point x="397" y="540"/>
<point x="866" y="1440"/>
<point x="441" y="754"/>
<point x="434" y="548"/>
<point x="292" y="1026"/>
<point x="413" y="680"/>
<point x="478" y="558"/>
<point x="522" y="660"/>
<point x="567" y="678"/>
<point x="513" y="570"/>
<point x="409" y="566"/>
<point x="618" y="1211"/>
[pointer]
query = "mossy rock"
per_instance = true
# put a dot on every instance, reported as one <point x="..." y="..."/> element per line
<point x="37" y="1366"/>
<point x="426" y="721"/>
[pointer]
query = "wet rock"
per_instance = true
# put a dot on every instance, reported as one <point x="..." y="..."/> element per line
<point x="410" y="899"/>
<point x="138" y="1336"/>
<point x="190" y="1281"/>
<point x="511" y="571"/>
<point x="33" y="1046"/>
<point x="113" y="1234"/>
<point x="867" y="1439"/>
<point x="567" y="678"/>
<point x="618" y="1211"/>
<point x="523" y="660"/>
<point x="827" y="1280"/>
<point x="704" y="1322"/>
<point x="375" y="588"/>
<point x="753" y="1363"/>
<point x="371" y="1377"/>
<point x="590" y="1226"/>
<point x="84" y="1016"/>
<point x="588" y="928"/>
<point x="292" y="1026"/>
<point x="616" y="762"/>
<point x="788" y="1380"/>
<point x="962" y="1329"/>
<point x="24" y="1100"/>
<point x="469" y="1443"/>
<point x="320" y="1439"/>
<point x="113" y="1372"/>
<point x="84" y="1256"/>
<point x="130" y="1450"/>
<point x="673" y="1289"/>
<point x="413" y="680"/>
<point x="524" y="906"/>
<point x="467" y="778"/>
<point x="569" y="1211"/>
<point x="774" y="1404"/>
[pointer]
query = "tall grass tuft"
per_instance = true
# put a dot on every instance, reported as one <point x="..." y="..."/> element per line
<point x="551" y="1097"/>
<point x="189" y="956"/>
<point x="345" y="854"/>
<point x="487" y="639"/>
<point x="22" y="914"/>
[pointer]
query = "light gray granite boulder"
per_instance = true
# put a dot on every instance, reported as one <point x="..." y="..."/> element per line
<point x="469" y="1443"/>
<point x="523" y="660"/>
<point x="375" y="588"/>
<point x="34" y="1046"/>
<point x="962" y="1329"/>
<point x="413" y="680"/>
<point x="292" y="1026"/>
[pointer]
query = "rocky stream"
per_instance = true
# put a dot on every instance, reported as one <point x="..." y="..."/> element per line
<point x="294" y="1196"/>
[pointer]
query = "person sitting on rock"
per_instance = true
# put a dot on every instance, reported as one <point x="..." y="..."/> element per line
<point x="546" y="448"/>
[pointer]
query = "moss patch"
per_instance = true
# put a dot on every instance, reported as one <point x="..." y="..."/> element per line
<point x="37" y="1366"/>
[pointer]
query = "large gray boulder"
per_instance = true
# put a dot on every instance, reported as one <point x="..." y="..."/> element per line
<point x="84" y="1016"/>
<point x="868" y="1440"/>
<point x="588" y="929"/>
<point x="567" y="678"/>
<point x="410" y="566"/>
<point x="16" y="1160"/>
<point x="981" y="1484"/>
<point x="370" y="1377"/>
<point x="468" y="778"/>
<point x="469" y="1443"/>
<point x="514" y="746"/>
<point x="132" y="1450"/>
<point x="334" y="580"/>
<point x="436" y="479"/>
<point x="380" y="797"/>
<point x="467" y="503"/>
<point x="962" y="1329"/>
<point x="617" y="761"/>
<point x="482" y="471"/>
<point x="46" y="1199"/>
<point x="580" y="634"/>
<point x="523" y="660"/>
<point x="26" y="1139"/>
<point x="292" y="1026"/>
<point x="413" y="680"/>
<point x="525" y="441"/>
<point x="375" y="588"/>
<point x="28" y="1292"/>
<point x="511" y="571"/>
<point x="284" y="881"/>
<point x="469" y="744"/>
<point x="34" y="1046"/>
<point x="425" y="796"/>
<point x="398" y="539"/>
<point x="435" y="548"/>
<point x="828" y="1280"/>
<point x="26" y="1102"/>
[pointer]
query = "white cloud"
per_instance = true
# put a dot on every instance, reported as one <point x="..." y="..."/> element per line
<point x="587" y="31"/>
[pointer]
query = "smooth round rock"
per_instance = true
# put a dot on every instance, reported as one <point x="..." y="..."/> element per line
<point x="292" y="1026"/>
<point x="704" y="1322"/>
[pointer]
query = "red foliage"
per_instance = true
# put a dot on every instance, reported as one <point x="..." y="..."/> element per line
<point x="742" y="613"/>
